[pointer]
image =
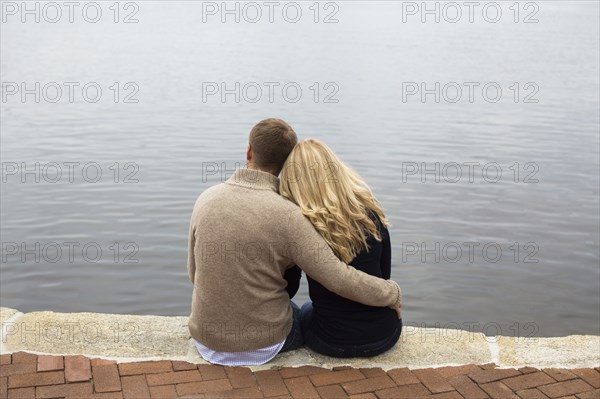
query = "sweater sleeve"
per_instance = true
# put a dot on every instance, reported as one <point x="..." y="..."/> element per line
<point x="311" y="253"/>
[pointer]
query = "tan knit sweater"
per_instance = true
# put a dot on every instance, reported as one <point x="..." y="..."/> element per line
<point x="243" y="236"/>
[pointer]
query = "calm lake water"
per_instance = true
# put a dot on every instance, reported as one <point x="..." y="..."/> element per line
<point x="492" y="190"/>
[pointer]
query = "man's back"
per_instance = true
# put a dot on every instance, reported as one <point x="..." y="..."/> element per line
<point x="237" y="262"/>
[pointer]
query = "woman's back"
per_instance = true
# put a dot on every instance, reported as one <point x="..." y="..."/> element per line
<point x="342" y="322"/>
<point x="342" y="208"/>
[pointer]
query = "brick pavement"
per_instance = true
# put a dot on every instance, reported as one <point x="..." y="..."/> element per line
<point x="24" y="375"/>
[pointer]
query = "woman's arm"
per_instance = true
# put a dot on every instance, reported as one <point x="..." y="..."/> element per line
<point x="386" y="253"/>
<point x="386" y="258"/>
<point x="292" y="276"/>
<point x="191" y="263"/>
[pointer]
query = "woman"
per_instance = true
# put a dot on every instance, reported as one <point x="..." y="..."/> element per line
<point x="344" y="211"/>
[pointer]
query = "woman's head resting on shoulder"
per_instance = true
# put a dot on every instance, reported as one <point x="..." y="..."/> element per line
<point x="332" y="196"/>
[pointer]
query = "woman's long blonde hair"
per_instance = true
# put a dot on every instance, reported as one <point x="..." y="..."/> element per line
<point x="332" y="196"/>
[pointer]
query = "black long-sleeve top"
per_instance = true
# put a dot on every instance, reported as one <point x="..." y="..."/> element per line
<point x="342" y="322"/>
<point x="292" y="276"/>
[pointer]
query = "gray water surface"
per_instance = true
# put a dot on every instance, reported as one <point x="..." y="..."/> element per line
<point x="172" y="144"/>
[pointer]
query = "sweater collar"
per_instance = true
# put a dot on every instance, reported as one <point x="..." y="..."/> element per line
<point x="255" y="179"/>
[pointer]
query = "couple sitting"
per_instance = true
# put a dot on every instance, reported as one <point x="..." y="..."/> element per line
<point x="251" y="236"/>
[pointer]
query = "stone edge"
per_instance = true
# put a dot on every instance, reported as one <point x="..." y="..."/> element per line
<point x="193" y="357"/>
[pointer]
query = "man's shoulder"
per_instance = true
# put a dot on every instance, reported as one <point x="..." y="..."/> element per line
<point x="213" y="190"/>
<point x="284" y="206"/>
<point x="210" y="195"/>
<point x="278" y="206"/>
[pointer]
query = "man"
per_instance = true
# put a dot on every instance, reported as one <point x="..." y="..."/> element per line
<point x="243" y="238"/>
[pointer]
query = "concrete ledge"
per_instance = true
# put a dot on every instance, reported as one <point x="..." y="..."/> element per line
<point x="565" y="352"/>
<point x="127" y="338"/>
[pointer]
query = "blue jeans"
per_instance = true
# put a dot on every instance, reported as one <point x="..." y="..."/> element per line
<point x="318" y="345"/>
<point x="294" y="339"/>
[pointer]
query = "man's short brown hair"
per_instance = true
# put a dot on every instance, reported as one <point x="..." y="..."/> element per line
<point x="272" y="140"/>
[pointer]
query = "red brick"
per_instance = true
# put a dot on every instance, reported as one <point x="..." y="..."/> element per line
<point x="595" y="394"/>
<point x="243" y="393"/>
<point x="181" y="366"/>
<point x="332" y="392"/>
<point x="102" y="362"/>
<point x="5" y="359"/>
<point x="491" y="375"/>
<point x="403" y="376"/>
<point x="21" y="393"/>
<point x="466" y="387"/>
<point x="163" y="392"/>
<point x="498" y="390"/>
<point x="135" y="387"/>
<point x="106" y="378"/>
<point x="433" y="380"/>
<point x="102" y="395"/>
<point x="452" y="371"/>
<point x="212" y="372"/>
<point x="368" y="385"/>
<point x="443" y="395"/>
<point x="24" y="357"/>
<point x="531" y="394"/>
<point x="590" y="376"/>
<point x="36" y="379"/>
<point x="527" y="370"/>
<point x="149" y="367"/>
<point x="403" y="392"/>
<point x="174" y="377"/>
<point x="488" y="366"/>
<point x="240" y="377"/>
<point x="18" y="368"/>
<point x="301" y="387"/>
<point x="560" y="374"/>
<point x="195" y="396"/>
<point x="336" y="377"/>
<point x="291" y="372"/>
<point x="77" y="368"/>
<point x="527" y="381"/>
<point x="342" y="368"/>
<point x="373" y="372"/>
<point x="3" y="387"/>
<point x="76" y="390"/>
<point x="202" y="387"/>
<point x="271" y="383"/>
<point x="565" y="388"/>
<point x="48" y="363"/>
<point x="363" y="396"/>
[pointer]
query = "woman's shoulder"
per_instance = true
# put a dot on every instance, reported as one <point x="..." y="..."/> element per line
<point x="375" y="218"/>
